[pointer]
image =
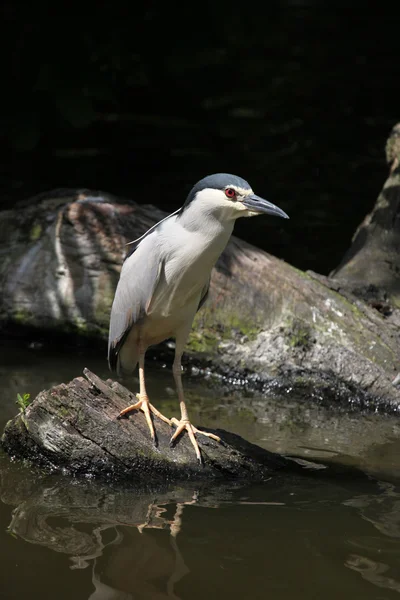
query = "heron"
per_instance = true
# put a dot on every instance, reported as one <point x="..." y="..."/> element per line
<point x="165" y="280"/>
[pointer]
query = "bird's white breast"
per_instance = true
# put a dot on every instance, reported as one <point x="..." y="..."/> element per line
<point x="188" y="256"/>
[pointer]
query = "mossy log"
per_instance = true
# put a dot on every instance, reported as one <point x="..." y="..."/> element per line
<point x="263" y="317"/>
<point x="74" y="428"/>
<point x="272" y="319"/>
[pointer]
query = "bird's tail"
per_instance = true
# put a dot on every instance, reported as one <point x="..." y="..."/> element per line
<point x="122" y="359"/>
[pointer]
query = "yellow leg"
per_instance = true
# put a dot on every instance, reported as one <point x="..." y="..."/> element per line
<point x="184" y="424"/>
<point x="144" y="403"/>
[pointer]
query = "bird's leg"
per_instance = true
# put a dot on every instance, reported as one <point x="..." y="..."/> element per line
<point x="143" y="401"/>
<point x="184" y="423"/>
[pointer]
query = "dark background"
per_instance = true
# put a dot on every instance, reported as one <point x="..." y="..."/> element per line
<point x="142" y="101"/>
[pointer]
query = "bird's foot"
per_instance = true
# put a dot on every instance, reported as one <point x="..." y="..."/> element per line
<point x="191" y="429"/>
<point x="143" y="404"/>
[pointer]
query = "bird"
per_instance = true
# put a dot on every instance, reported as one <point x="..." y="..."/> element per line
<point x="165" y="280"/>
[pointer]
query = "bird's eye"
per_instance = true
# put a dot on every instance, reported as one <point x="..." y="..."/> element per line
<point x="230" y="193"/>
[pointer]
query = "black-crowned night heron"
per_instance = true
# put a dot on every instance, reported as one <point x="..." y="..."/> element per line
<point x="165" y="281"/>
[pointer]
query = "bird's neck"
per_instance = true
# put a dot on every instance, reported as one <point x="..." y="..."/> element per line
<point x="213" y="222"/>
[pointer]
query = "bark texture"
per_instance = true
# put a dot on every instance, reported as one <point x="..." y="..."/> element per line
<point x="74" y="428"/>
<point x="60" y="258"/>
<point x="371" y="266"/>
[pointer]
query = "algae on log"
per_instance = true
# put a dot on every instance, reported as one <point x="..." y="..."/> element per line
<point x="299" y="323"/>
<point x="74" y="428"/>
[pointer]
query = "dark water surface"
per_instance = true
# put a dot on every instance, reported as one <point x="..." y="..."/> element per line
<point x="334" y="536"/>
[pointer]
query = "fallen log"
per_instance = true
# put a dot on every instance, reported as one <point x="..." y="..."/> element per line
<point x="74" y="428"/>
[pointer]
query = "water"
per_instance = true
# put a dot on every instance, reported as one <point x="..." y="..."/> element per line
<point x="334" y="536"/>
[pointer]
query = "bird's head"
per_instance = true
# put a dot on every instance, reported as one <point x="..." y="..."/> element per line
<point x="231" y="197"/>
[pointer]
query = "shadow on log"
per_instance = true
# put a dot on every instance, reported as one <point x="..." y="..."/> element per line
<point x="74" y="428"/>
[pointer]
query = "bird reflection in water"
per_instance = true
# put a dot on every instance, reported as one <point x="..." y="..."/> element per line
<point x="127" y="536"/>
<point x="135" y="568"/>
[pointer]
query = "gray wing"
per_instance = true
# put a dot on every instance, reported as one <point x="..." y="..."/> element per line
<point x="204" y="294"/>
<point x="138" y="280"/>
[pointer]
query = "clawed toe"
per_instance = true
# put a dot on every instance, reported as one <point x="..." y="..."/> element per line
<point x="148" y="409"/>
<point x="185" y="425"/>
<point x="122" y="416"/>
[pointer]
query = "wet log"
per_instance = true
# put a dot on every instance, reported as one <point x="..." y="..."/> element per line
<point x="74" y="428"/>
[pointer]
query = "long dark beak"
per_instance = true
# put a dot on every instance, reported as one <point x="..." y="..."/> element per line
<point x="259" y="205"/>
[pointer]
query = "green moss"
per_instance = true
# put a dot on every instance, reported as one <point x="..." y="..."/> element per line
<point x="63" y="411"/>
<point x="22" y="316"/>
<point x="103" y="309"/>
<point x="212" y="326"/>
<point x="36" y="231"/>
<point x="395" y="300"/>
<point x="299" y="334"/>
<point x="80" y="324"/>
<point x="205" y="341"/>
<point x="246" y="415"/>
<point x="85" y="328"/>
<point x="241" y="326"/>
<point x="107" y="283"/>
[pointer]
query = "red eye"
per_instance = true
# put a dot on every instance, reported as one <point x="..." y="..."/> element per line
<point x="230" y="193"/>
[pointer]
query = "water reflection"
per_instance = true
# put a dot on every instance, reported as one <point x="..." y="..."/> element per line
<point x="374" y="572"/>
<point x="187" y="541"/>
<point x="104" y="529"/>
<point x="134" y="568"/>
<point x="325" y="536"/>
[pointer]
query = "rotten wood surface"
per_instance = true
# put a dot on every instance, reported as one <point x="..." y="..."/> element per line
<point x="73" y="428"/>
